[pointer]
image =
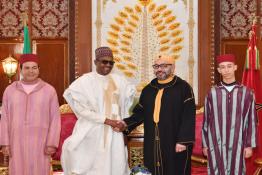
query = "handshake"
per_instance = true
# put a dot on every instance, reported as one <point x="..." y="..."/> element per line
<point x="117" y="125"/>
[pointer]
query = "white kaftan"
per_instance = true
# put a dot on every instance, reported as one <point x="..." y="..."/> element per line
<point x="94" y="148"/>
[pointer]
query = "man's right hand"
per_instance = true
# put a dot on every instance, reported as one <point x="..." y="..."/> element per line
<point x="117" y="125"/>
<point x="120" y="127"/>
<point x="6" y="150"/>
<point x="110" y="122"/>
<point x="205" y="151"/>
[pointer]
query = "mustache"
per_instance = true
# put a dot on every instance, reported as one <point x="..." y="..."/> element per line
<point x="108" y="67"/>
<point x="159" y="72"/>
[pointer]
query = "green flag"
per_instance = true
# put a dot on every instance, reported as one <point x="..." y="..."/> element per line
<point x="27" y="46"/>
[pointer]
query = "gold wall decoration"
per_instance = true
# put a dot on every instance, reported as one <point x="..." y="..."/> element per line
<point x="77" y="68"/>
<point x="138" y="30"/>
<point x="212" y="45"/>
<point x="191" y="24"/>
<point x="98" y="23"/>
<point x="184" y="1"/>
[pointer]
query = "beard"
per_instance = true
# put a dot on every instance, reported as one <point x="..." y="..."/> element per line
<point x="161" y="75"/>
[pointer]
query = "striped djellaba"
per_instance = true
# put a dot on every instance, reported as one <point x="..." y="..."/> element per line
<point x="229" y="126"/>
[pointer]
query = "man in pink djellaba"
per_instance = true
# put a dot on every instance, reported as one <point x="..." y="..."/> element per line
<point x="30" y="121"/>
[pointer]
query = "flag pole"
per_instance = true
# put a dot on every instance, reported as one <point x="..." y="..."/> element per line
<point x="27" y="46"/>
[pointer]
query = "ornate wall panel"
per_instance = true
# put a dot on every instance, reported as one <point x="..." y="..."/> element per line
<point x="53" y="63"/>
<point x="50" y="18"/>
<point x="238" y="48"/>
<point x="48" y="23"/>
<point x="10" y="17"/>
<point x="206" y="47"/>
<point x="235" y="17"/>
<point x="83" y="37"/>
<point x="140" y="31"/>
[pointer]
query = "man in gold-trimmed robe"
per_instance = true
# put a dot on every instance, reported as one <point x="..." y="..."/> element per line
<point x="167" y="109"/>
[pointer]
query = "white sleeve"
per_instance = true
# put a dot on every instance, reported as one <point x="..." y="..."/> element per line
<point x="81" y="108"/>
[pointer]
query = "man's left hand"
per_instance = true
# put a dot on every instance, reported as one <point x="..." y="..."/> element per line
<point x="49" y="150"/>
<point x="180" y="147"/>
<point x="248" y="152"/>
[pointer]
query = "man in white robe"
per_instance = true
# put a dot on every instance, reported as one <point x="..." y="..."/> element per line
<point x="99" y="99"/>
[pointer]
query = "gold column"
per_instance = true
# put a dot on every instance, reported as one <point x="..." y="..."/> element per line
<point x="144" y="57"/>
<point x="98" y="23"/>
<point x="191" y="24"/>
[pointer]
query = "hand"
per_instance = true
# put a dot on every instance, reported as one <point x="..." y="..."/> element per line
<point x="49" y="150"/>
<point x="180" y="147"/>
<point x="205" y="149"/>
<point x="248" y="152"/>
<point x="112" y="123"/>
<point x="121" y="126"/>
<point x="117" y="125"/>
<point x="6" y="150"/>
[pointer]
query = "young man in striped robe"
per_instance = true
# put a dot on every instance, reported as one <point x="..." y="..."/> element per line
<point x="229" y="126"/>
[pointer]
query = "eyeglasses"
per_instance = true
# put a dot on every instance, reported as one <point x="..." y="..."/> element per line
<point x="162" y="66"/>
<point x="106" y="62"/>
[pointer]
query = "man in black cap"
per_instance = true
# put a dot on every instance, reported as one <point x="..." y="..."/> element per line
<point x="98" y="99"/>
